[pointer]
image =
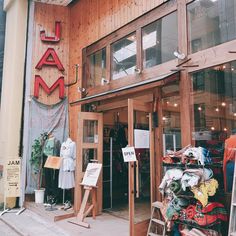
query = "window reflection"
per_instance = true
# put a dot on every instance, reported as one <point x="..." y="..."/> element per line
<point x="160" y="40"/>
<point x="214" y="106"/>
<point x="123" y="57"/>
<point x="211" y="22"/>
<point x="171" y="117"/>
<point x="97" y="68"/>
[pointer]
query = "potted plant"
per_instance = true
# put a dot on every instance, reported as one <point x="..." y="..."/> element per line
<point x="36" y="161"/>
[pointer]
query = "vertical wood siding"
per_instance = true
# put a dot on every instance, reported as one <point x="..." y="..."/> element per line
<point x="44" y="19"/>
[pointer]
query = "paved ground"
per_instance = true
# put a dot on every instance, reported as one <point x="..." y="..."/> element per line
<point x="31" y="224"/>
<point x="5" y="230"/>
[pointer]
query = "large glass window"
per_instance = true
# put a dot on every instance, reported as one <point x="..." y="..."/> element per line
<point x="171" y="117"/>
<point x="214" y="106"/>
<point x="160" y="40"/>
<point x="211" y="22"/>
<point x="97" y="68"/>
<point x="124" y="57"/>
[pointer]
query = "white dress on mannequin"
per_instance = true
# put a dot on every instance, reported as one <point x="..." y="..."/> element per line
<point x="66" y="178"/>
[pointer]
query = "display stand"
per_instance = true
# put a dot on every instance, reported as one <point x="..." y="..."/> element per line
<point x="83" y="212"/>
<point x="12" y="185"/>
<point x="90" y="185"/>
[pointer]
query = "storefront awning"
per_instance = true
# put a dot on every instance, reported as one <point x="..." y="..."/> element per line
<point x="140" y="86"/>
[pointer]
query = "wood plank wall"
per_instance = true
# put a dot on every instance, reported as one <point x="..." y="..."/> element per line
<point x="91" y="20"/>
<point x="45" y="16"/>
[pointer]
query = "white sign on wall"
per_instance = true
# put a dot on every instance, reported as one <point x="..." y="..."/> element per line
<point x="91" y="174"/>
<point x="141" y="138"/>
<point x="129" y="154"/>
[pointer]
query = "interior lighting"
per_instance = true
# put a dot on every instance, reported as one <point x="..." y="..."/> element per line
<point x="223" y="104"/>
<point x="232" y="68"/>
<point x="217" y="109"/>
<point x="212" y="128"/>
<point x="199" y="108"/>
<point x="163" y="118"/>
<point x="175" y="105"/>
<point x="234" y="114"/>
<point x="225" y="129"/>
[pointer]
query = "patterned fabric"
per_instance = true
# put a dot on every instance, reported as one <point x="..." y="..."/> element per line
<point x="204" y="190"/>
<point x="229" y="154"/>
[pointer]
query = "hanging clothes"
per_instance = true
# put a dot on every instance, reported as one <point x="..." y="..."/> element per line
<point x="229" y="156"/>
<point x="66" y="174"/>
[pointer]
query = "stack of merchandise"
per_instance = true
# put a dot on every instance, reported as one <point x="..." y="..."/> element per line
<point x="186" y="198"/>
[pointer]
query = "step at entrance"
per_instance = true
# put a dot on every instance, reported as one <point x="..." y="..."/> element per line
<point x="156" y="222"/>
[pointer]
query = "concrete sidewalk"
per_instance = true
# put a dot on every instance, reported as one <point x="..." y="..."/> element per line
<point x="29" y="223"/>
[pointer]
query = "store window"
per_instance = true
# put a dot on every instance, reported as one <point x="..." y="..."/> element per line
<point x="124" y="54"/>
<point x="97" y="68"/>
<point x="160" y="40"/>
<point x="210" y="22"/>
<point x="171" y="117"/>
<point x="214" y="106"/>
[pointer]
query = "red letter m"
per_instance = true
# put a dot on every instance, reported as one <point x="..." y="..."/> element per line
<point x="39" y="81"/>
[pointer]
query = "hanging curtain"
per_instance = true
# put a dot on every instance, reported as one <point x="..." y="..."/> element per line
<point x="44" y="118"/>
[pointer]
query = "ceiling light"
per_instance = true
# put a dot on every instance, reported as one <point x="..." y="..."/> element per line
<point x="199" y="108"/>
<point x="212" y="128"/>
<point x="217" y="109"/>
<point x="225" y="129"/>
<point x="223" y="104"/>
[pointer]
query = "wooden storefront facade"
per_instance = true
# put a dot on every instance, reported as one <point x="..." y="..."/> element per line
<point x="160" y="91"/>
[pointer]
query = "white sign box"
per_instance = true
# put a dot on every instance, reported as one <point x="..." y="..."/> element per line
<point x="91" y="174"/>
<point x="141" y="138"/>
<point x="12" y="183"/>
<point x="129" y="154"/>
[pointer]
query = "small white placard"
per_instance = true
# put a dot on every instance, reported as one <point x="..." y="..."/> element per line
<point x="12" y="183"/>
<point x="91" y="174"/>
<point x="141" y="138"/>
<point x="129" y="154"/>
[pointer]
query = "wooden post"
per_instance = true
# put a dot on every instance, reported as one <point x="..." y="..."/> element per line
<point x="83" y="212"/>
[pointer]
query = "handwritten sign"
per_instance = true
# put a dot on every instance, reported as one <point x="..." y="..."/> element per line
<point x="91" y="174"/>
<point x="129" y="154"/>
<point x="53" y="162"/>
<point x="12" y="183"/>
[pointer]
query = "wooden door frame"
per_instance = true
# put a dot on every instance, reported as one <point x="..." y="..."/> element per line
<point x="135" y="105"/>
<point x="79" y="161"/>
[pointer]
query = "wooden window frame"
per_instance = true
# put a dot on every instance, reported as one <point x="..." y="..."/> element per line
<point x="133" y="27"/>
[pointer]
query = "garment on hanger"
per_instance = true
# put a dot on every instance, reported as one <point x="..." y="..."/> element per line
<point x="66" y="173"/>
<point x="229" y="157"/>
<point x="51" y="146"/>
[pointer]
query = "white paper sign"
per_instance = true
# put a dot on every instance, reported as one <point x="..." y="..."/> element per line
<point x="129" y="154"/>
<point x="141" y="138"/>
<point x="12" y="184"/>
<point x="91" y="174"/>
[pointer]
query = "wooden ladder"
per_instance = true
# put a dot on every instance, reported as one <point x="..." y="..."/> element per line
<point x="154" y="221"/>
<point x="232" y="221"/>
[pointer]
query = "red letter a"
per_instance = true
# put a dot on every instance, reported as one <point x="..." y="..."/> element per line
<point x="50" y="58"/>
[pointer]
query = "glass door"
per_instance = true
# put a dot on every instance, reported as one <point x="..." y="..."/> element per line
<point x="141" y="179"/>
<point x="90" y="147"/>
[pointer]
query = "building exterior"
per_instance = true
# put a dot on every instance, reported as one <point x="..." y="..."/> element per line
<point x="154" y="74"/>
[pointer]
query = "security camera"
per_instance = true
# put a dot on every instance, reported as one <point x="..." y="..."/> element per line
<point x="179" y="55"/>
<point x="104" y="81"/>
<point x="81" y="90"/>
<point x="137" y="71"/>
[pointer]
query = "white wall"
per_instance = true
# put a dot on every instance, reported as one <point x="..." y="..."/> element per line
<point x="13" y="77"/>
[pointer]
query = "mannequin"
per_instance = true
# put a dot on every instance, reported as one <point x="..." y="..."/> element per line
<point x="229" y="159"/>
<point x="51" y="148"/>
<point x="66" y="173"/>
